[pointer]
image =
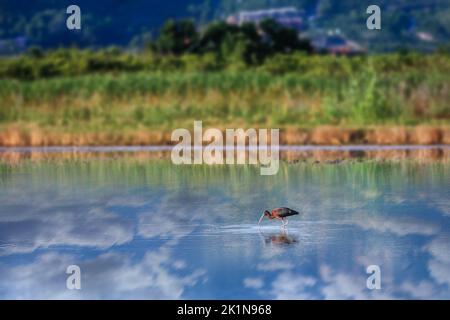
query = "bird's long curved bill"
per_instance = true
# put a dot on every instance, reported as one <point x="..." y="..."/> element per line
<point x="260" y="219"/>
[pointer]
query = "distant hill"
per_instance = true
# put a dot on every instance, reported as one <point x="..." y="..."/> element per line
<point x="104" y="22"/>
<point x="419" y="24"/>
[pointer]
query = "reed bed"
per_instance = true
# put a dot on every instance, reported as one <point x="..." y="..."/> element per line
<point x="287" y="92"/>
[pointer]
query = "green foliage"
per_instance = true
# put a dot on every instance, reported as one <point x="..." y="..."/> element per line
<point x="401" y="20"/>
<point x="281" y="39"/>
<point x="236" y="45"/>
<point x="236" y="51"/>
<point x="177" y="37"/>
<point x="42" y="22"/>
<point x="286" y="90"/>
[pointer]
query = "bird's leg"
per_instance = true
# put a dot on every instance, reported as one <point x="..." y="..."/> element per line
<point x="287" y="222"/>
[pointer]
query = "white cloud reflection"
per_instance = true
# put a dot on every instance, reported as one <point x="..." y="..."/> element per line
<point x="327" y="261"/>
<point x="25" y="229"/>
<point x="108" y="276"/>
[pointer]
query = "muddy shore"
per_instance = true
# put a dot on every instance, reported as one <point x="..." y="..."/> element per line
<point x="323" y="135"/>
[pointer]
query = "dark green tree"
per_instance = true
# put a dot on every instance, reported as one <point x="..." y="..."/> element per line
<point x="280" y="39"/>
<point x="177" y="37"/>
<point x="214" y="35"/>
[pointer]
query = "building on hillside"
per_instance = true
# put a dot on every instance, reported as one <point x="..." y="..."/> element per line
<point x="336" y="44"/>
<point x="289" y="17"/>
<point x="332" y="42"/>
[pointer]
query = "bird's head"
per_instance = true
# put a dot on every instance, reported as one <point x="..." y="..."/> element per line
<point x="265" y="214"/>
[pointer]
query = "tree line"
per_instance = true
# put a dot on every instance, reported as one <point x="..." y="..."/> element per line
<point x="250" y="42"/>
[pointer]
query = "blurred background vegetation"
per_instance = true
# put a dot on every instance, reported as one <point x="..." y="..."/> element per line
<point x="133" y="23"/>
<point x="84" y="90"/>
<point x="131" y="68"/>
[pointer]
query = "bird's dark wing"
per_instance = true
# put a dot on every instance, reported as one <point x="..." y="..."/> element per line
<point x="285" y="212"/>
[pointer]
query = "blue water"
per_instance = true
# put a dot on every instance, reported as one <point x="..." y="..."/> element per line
<point x="150" y="230"/>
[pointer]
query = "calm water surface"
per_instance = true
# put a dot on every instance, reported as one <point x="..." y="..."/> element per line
<point x="150" y="230"/>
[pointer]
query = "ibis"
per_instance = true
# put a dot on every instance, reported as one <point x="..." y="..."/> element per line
<point x="279" y="214"/>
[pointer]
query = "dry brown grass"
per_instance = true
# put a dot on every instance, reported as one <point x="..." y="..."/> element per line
<point x="327" y="135"/>
<point x="426" y="135"/>
<point x="387" y="136"/>
<point x="19" y="136"/>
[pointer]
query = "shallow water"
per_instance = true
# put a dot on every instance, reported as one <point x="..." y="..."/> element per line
<point x="150" y="230"/>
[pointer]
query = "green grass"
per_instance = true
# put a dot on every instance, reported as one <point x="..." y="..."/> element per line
<point x="290" y="90"/>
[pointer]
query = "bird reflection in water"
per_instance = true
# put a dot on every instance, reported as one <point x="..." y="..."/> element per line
<point x="281" y="238"/>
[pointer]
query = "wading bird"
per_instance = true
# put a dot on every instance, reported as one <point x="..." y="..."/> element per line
<point x="279" y="214"/>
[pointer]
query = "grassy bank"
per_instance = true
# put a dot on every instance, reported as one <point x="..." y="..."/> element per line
<point x="291" y="92"/>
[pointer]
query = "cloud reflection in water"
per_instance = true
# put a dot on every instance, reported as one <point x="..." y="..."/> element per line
<point x="192" y="234"/>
